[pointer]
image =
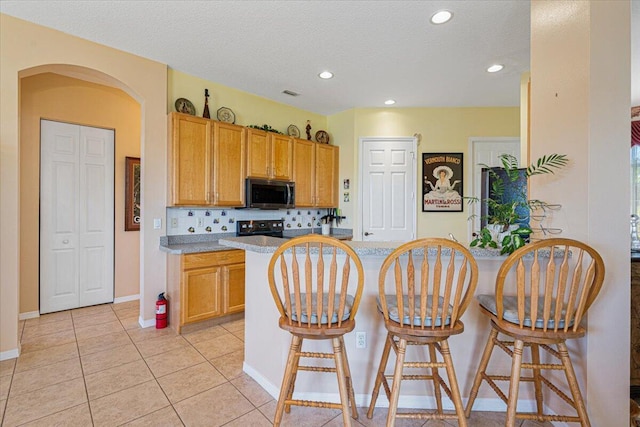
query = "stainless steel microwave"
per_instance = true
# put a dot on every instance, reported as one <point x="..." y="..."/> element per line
<point x="267" y="194"/>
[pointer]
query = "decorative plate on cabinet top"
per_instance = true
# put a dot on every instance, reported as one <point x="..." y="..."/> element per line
<point x="322" y="137"/>
<point x="183" y="105"/>
<point x="293" y="131"/>
<point x="226" y="115"/>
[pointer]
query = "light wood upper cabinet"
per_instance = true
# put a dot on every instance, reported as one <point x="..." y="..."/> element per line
<point x="228" y="164"/>
<point x="206" y="161"/>
<point x="326" y="175"/>
<point x="269" y="155"/>
<point x="190" y="157"/>
<point x="304" y="158"/>
<point x="316" y="174"/>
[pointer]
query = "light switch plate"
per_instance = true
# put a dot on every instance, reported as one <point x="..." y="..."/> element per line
<point x="157" y="223"/>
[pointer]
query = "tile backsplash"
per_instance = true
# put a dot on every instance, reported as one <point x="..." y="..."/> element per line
<point x="204" y="221"/>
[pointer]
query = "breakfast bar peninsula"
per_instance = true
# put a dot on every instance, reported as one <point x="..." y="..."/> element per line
<point x="267" y="346"/>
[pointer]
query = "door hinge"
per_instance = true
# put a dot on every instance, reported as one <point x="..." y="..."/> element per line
<point x="413" y="155"/>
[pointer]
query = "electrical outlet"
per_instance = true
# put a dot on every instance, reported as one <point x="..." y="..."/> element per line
<point x="200" y="222"/>
<point x="174" y="222"/>
<point x="361" y="340"/>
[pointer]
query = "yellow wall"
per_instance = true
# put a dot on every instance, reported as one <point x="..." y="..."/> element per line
<point x="442" y="129"/>
<point x="249" y="109"/>
<point x="55" y="97"/>
<point x="28" y="49"/>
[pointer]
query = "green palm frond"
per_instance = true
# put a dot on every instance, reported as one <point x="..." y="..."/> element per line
<point x="546" y="164"/>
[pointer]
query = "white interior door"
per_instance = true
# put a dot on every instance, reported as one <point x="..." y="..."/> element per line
<point x="76" y="216"/>
<point x="486" y="151"/>
<point x="388" y="189"/>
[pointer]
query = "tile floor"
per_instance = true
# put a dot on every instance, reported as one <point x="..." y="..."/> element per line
<point x="96" y="366"/>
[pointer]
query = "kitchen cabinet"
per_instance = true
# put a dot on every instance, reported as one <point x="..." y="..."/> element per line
<point x="205" y="285"/>
<point x="229" y="142"/>
<point x="269" y="155"/>
<point x="635" y="328"/>
<point x="315" y="174"/>
<point x="206" y="162"/>
<point x="190" y="160"/>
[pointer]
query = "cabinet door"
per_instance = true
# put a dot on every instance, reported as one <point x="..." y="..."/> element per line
<point x="326" y="175"/>
<point x="233" y="288"/>
<point x="228" y="168"/>
<point x="303" y="171"/>
<point x="200" y="294"/>
<point x="190" y="160"/>
<point x="281" y="157"/>
<point x="258" y="154"/>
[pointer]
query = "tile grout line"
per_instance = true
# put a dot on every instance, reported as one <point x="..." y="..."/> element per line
<point x="154" y="378"/>
<point x="84" y="378"/>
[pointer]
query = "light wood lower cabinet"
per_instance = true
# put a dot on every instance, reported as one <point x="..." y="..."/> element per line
<point x="204" y="286"/>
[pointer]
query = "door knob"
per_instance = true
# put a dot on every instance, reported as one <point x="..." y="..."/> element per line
<point x="65" y="241"/>
<point x="366" y="233"/>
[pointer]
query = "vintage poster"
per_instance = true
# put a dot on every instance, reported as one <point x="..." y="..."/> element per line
<point x="442" y="182"/>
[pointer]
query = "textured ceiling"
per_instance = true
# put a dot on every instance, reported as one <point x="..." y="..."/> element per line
<point x="376" y="49"/>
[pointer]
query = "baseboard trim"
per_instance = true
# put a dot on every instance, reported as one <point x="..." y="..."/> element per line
<point x="416" y="402"/>
<point x="264" y="383"/>
<point x="128" y="298"/>
<point x="146" y="323"/>
<point x="29" y="315"/>
<point x="9" y="354"/>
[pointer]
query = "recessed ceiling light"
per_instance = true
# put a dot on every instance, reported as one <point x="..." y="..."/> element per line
<point x="495" y="68"/>
<point x="389" y="102"/>
<point x="325" y="75"/>
<point x="441" y="17"/>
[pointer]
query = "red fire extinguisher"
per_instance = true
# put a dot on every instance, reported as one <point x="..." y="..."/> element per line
<point x="162" y="309"/>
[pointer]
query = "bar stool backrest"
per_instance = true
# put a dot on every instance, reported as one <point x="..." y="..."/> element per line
<point x="316" y="281"/>
<point x="427" y="284"/>
<point x="553" y="281"/>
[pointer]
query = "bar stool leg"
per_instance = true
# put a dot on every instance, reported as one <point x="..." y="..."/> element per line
<point x="286" y="380"/>
<point x="380" y="375"/>
<point x="453" y="383"/>
<point x="535" y="358"/>
<point x="347" y="370"/>
<point x="516" y="364"/>
<point x="573" y="384"/>
<point x="436" y="378"/>
<point x="397" y="380"/>
<point x="486" y="356"/>
<point x="294" y="375"/>
<point x="342" y="380"/>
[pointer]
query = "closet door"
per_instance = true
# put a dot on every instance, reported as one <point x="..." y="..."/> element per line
<point x="76" y="216"/>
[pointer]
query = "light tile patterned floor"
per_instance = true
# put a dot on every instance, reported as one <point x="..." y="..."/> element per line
<point x="95" y="366"/>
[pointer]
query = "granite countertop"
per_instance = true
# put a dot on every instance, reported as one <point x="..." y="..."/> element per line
<point x="268" y="245"/>
<point x="197" y="243"/>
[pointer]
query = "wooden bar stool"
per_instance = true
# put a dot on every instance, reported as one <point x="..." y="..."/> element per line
<point x="553" y="281"/>
<point x="316" y="282"/>
<point x="424" y="308"/>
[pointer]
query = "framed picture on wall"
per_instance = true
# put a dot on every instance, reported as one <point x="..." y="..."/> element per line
<point x="132" y="194"/>
<point x="442" y="182"/>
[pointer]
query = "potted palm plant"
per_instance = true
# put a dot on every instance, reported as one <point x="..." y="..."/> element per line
<point x="506" y="208"/>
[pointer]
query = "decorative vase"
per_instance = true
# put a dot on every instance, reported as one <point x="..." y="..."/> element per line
<point x="497" y="233"/>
